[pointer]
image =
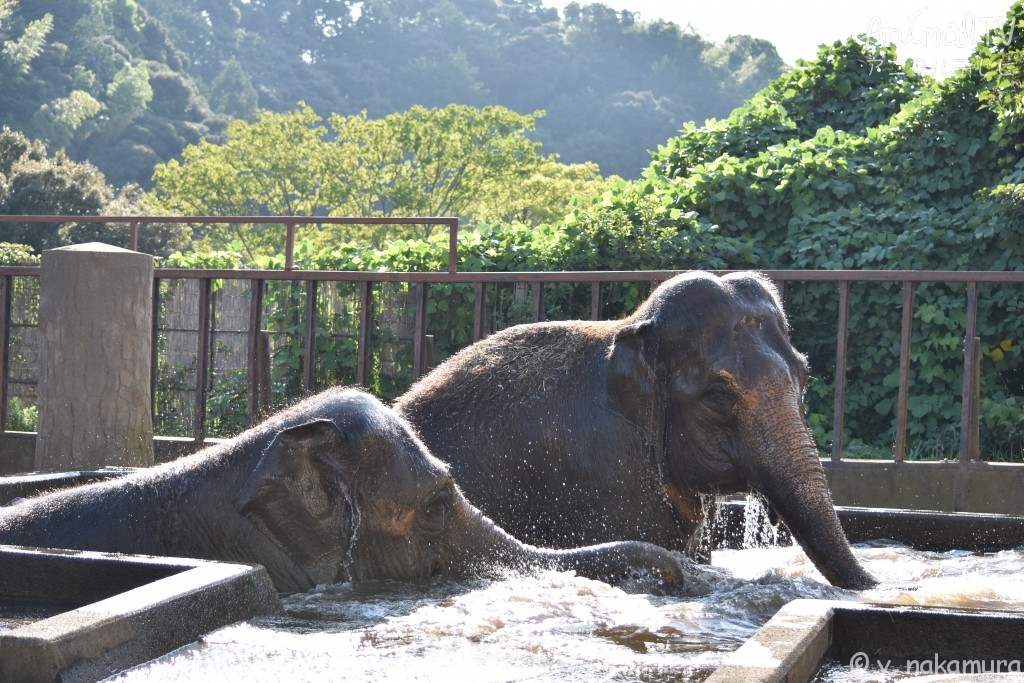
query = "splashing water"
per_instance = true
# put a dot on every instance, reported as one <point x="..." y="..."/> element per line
<point x="758" y="529"/>
<point x="555" y="626"/>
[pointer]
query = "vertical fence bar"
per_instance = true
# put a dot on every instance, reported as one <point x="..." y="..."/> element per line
<point x="5" y="345"/>
<point x="419" y="334"/>
<point x="309" y="347"/>
<point x="968" y="409"/>
<point x="479" y="303"/>
<point x="133" y="235"/>
<point x="837" y="421"/>
<point x="262" y="354"/>
<point x="154" y="356"/>
<point x="595" y="300"/>
<point x="289" y="246"/>
<point x="256" y="369"/>
<point x="538" y="301"/>
<point x="906" y="327"/>
<point x="974" y="433"/>
<point x="453" y="245"/>
<point x="202" y="358"/>
<point x="365" y="320"/>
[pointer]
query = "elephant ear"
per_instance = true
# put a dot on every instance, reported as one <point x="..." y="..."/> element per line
<point x="632" y="379"/>
<point x="294" y="495"/>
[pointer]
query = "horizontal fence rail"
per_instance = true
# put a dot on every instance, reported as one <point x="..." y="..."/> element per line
<point x="367" y="281"/>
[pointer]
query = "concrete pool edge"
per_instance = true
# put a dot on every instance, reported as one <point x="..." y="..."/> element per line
<point x="135" y="625"/>
<point x="790" y="647"/>
<point x="806" y="634"/>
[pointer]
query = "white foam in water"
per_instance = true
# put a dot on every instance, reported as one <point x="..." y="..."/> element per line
<point x="557" y="627"/>
<point x="758" y="531"/>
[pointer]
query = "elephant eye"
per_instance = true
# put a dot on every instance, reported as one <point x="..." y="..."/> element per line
<point x="719" y="397"/>
<point x="436" y="508"/>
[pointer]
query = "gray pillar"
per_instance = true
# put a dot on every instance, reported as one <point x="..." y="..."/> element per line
<point x="95" y="331"/>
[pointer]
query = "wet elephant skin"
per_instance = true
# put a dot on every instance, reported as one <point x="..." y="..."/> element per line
<point x="335" y="488"/>
<point x="581" y="432"/>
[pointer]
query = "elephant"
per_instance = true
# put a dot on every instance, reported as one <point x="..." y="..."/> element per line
<point x="335" y="488"/>
<point x="577" y="432"/>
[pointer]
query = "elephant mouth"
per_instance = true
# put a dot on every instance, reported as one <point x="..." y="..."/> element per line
<point x="433" y="563"/>
<point x="712" y="474"/>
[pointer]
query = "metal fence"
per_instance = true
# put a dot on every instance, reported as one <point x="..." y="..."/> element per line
<point x="214" y="340"/>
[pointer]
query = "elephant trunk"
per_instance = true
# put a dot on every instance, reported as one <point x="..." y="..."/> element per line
<point x="617" y="560"/>
<point x="804" y="502"/>
<point x="477" y="545"/>
<point x="788" y="472"/>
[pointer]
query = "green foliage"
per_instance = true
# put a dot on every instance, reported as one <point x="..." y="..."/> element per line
<point x="129" y="93"/>
<point x="232" y="92"/>
<point x="614" y="87"/>
<point x="430" y="162"/>
<point x="99" y="80"/>
<point x="128" y="84"/>
<point x="457" y="160"/>
<point x="17" y="255"/>
<point x="18" y="52"/>
<point x="34" y="183"/>
<point x="853" y="161"/>
<point x="21" y="416"/>
<point x="273" y="166"/>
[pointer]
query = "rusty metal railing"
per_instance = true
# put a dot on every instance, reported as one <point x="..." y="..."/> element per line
<point x="258" y="361"/>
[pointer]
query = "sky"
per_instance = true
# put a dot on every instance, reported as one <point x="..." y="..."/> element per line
<point x="939" y="35"/>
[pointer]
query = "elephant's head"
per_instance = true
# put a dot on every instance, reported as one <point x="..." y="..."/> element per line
<point x="706" y="364"/>
<point x="359" y="497"/>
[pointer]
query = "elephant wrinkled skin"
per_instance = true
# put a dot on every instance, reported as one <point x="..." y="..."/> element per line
<point x="581" y="432"/>
<point x="335" y="488"/>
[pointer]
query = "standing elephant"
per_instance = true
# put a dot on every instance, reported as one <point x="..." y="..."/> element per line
<point x="336" y="488"/>
<point x="581" y="432"/>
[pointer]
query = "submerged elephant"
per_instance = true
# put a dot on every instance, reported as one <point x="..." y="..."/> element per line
<point x="581" y="432"/>
<point x="335" y="488"/>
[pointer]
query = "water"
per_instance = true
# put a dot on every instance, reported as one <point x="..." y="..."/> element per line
<point x="957" y="578"/>
<point x="558" y="627"/>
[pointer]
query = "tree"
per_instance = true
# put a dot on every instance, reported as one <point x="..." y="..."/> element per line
<point x="432" y="162"/>
<point x="34" y="183"/>
<point x="456" y="161"/>
<point x="545" y="196"/>
<point x="19" y="51"/>
<point x="130" y="92"/>
<point x="232" y="92"/>
<point x="276" y="165"/>
<point x="92" y="77"/>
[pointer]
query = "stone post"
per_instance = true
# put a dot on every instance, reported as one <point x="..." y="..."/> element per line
<point x="95" y="332"/>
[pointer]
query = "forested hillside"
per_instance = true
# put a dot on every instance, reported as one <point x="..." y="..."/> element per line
<point x="126" y="84"/>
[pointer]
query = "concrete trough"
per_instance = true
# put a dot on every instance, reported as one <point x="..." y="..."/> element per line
<point x="808" y="638"/>
<point x="919" y="529"/>
<point x="34" y="483"/>
<point x="83" y="616"/>
<point x="933" y="531"/>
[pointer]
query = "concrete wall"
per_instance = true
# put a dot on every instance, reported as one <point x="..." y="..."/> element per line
<point x="17" y="450"/>
<point x="988" y="487"/>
